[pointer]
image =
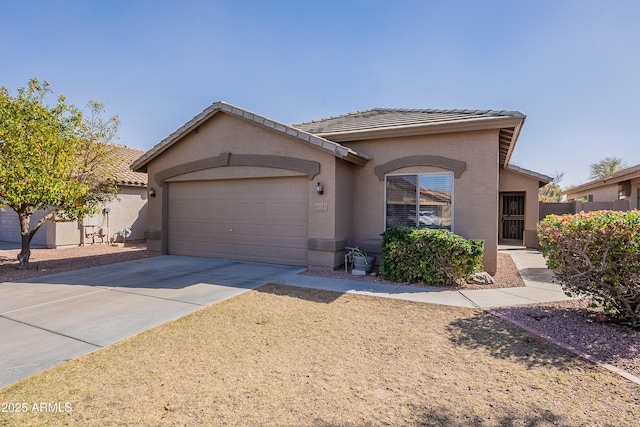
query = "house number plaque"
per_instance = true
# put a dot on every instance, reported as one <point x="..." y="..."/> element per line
<point x="321" y="207"/>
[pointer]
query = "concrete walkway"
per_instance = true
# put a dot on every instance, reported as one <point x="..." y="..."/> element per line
<point x="539" y="286"/>
<point x="50" y="319"/>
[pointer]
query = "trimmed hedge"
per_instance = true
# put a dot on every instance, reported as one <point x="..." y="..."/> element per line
<point x="434" y="257"/>
<point x="597" y="254"/>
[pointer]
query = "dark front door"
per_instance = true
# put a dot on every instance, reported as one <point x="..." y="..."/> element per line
<point x="512" y="218"/>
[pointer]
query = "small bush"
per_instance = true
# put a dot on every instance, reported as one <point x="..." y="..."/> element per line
<point x="434" y="257"/>
<point x="597" y="255"/>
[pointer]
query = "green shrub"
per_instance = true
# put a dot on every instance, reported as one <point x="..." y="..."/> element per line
<point x="434" y="257"/>
<point x="597" y="255"/>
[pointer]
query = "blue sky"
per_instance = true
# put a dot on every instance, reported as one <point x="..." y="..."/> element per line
<point x="572" y="66"/>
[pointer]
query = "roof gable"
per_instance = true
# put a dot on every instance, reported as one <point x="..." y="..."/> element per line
<point x="391" y="122"/>
<point x="334" y="148"/>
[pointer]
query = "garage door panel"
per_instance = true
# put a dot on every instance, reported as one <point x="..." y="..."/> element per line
<point x="259" y="230"/>
<point x="262" y="220"/>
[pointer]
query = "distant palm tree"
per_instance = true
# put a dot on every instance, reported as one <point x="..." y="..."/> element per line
<point x="605" y="167"/>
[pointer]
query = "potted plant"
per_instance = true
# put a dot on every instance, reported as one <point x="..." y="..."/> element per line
<point x="362" y="262"/>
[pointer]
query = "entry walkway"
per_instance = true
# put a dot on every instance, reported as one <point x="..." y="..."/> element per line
<point x="538" y="280"/>
<point x="50" y="319"/>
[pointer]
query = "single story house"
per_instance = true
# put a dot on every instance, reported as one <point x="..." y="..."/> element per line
<point x="619" y="191"/>
<point x="127" y="209"/>
<point x="233" y="184"/>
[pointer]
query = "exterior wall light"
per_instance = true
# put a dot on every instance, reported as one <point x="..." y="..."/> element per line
<point x="152" y="192"/>
<point x="319" y="188"/>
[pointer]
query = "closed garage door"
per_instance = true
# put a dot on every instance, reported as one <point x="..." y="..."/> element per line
<point x="260" y="220"/>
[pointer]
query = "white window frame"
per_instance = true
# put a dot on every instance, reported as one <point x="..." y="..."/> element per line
<point x="418" y="175"/>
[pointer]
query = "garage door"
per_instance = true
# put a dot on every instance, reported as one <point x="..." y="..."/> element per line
<point x="260" y="220"/>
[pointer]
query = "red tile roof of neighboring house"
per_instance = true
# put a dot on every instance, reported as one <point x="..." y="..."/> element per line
<point x="124" y="174"/>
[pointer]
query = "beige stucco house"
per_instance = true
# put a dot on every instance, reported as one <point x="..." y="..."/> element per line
<point x="620" y="191"/>
<point x="127" y="209"/>
<point x="233" y="184"/>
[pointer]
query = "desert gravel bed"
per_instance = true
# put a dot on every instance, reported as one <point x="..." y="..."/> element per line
<point x="587" y="330"/>
<point x="50" y="261"/>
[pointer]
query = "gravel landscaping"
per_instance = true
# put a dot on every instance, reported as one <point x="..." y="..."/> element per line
<point x="50" y="261"/>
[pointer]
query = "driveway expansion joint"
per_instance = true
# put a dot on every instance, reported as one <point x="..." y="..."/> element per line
<point x="52" y="302"/>
<point x="120" y="290"/>
<point x="50" y="331"/>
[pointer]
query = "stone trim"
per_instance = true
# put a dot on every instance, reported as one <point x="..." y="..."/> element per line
<point x="456" y="166"/>
<point x="308" y="167"/>
<point x="164" y="241"/>
<point x="327" y="245"/>
<point x="153" y="234"/>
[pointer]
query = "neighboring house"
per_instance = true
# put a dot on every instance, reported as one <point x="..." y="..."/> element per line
<point x="233" y="184"/>
<point x="127" y="209"/>
<point x="619" y="191"/>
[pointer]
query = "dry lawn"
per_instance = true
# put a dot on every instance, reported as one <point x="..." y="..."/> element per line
<point x="290" y="356"/>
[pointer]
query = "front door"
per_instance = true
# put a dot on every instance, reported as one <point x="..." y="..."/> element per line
<point x="512" y="218"/>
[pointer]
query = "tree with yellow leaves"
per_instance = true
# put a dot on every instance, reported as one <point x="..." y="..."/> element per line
<point x="53" y="158"/>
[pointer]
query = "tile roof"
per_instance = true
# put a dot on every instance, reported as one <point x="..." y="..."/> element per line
<point x="124" y="174"/>
<point x="388" y="122"/>
<point x="382" y="118"/>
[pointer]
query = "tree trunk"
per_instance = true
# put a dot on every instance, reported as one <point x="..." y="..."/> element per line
<point x="25" y="237"/>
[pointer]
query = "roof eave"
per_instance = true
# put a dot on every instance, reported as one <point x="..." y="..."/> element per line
<point x="509" y="126"/>
<point x="519" y="122"/>
<point x="632" y="173"/>
<point x="132" y="184"/>
<point x="422" y="129"/>
<point x="542" y="179"/>
<point x="338" y="150"/>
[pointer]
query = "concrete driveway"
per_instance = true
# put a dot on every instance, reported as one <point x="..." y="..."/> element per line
<point x="50" y="319"/>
